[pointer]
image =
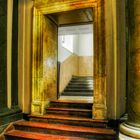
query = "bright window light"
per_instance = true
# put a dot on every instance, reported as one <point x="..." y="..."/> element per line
<point x="67" y="42"/>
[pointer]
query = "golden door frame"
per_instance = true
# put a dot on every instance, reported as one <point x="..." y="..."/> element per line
<point x="44" y="7"/>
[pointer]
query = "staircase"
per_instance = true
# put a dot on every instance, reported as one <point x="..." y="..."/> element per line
<point x="64" y="120"/>
<point x="79" y="86"/>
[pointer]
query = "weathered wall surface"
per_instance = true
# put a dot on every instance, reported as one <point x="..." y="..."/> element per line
<point x="115" y="57"/>
<point x="85" y="65"/>
<point x="67" y="69"/>
<point x="24" y="53"/>
<point x="50" y="59"/>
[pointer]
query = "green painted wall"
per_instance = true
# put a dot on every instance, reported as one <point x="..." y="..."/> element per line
<point x="3" y="54"/>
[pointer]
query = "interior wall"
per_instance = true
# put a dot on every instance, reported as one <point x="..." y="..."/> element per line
<point x="24" y="57"/>
<point x="67" y="69"/>
<point x="85" y="54"/>
<point x="83" y="49"/>
<point x="85" y="45"/>
<point x="50" y="44"/>
<point x="121" y="70"/>
<point x="9" y="47"/>
<point x="115" y="58"/>
<point x="63" y="53"/>
<point x="85" y="66"/>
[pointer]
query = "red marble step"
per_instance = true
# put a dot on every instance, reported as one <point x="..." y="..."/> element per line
<point x="70" y="111"/>
<point x="70" y="120"/>
<point x="65" y="130"/>
<point x="71" y="104"/>
<point x="19" y="135"/>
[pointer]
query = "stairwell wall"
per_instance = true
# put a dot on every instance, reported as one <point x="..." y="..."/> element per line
<point x="67" y="69"/>
<point x="77" y="63"/>
<point x="115" y="58"/>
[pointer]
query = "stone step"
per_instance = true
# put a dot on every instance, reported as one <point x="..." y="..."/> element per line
<point x="66" y="130"/>
<point x="84" y="82"/>
<point x="76" y="89"/>
<point x="69" y="120"/>
<point x="80" y="86"/>
<point x="70" y="111"/>
<point x="77" y="94"/>
<point x="82" y="77"/>
<point x="23" y="135"/>
<point x="71" y="104"/>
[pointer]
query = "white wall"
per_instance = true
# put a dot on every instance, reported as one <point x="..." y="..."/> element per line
<point x="82" y="46"/>
<point x="63" y="53"/>
<point x="75" y="44"/>
<point x="85" y="46"/>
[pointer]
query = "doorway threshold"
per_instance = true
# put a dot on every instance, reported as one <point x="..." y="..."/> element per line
<point x="88" y="99"/>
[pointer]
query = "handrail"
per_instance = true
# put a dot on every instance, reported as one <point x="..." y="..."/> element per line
<point x="58" y="78"/>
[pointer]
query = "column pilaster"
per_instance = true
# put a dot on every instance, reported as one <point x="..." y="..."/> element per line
<point x="7" y="114"/>
<point x="99" y="105"/>
<point x="131" y="128"/>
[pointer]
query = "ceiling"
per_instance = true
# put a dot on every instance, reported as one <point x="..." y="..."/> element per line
<point x="72" y="17"/>
<point x="75" y="30"/>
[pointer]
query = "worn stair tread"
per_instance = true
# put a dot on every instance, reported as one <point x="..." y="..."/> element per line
<point x="69" y="109"/>
<point x="78" y="85"/>
<point x="72" y="89"/>
<point x="68" y="93"/>
<point x="71" y="101"/>
<point x="68" y="117"/>
<point x="74" y="76"/>
<point x="78" y="92"/>
<point x="38" y="136"/>
<point x="83" y="92"/>
<point x="81" y="80"/>
<point x="62" y="127"/>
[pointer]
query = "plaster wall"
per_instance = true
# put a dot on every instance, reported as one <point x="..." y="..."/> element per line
<point x="83" y="50"/>
<point x="85" y="66"/>
<point x="121" y="49"/>
<point x="85" y="45"/>
<point x="115" y="58"/>
<point x="63" y="53"/>
<point x="9" y="45"/>
<point x="82" y="46"/>
<point x="67" y="69"/>
<point x="24" y="57"/>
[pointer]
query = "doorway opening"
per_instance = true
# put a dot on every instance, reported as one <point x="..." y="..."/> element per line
<point x="75" y="54"/>
<point x="48" y="16"/>
<point x="75" y="59"/>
